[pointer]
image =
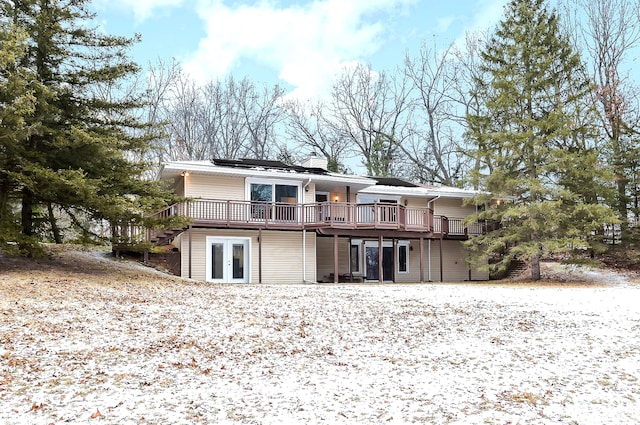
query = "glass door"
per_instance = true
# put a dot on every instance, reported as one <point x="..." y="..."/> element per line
<point x="227" y="260"/>
<point x="323" y="207"/>
<point x="372" y="270"/>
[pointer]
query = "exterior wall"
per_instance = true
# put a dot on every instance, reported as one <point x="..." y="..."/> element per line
<point x="309" y="197"/>
<point x="178" y="186"/>
<point x="281" y="254"/>
<point x="414" y="202"/>
<point x="215" y="187"/>
<point x="454" y="267"/>
<point x="324" y="255"/>
<point x="342" y="195"/>
<point x="453" y="208"/>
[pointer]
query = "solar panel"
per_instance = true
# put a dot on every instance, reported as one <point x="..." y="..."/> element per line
<point x="266" y="164"/>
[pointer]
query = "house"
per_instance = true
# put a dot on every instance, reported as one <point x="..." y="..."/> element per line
<point x="266" y="222"/>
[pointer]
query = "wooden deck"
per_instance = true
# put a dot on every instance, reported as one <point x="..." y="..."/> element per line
<point x="326" y="217"/>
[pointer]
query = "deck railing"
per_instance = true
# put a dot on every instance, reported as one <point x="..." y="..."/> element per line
<point x="320" y="214"/>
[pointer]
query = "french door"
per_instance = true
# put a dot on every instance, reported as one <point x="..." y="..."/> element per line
<point x="227" y="260"/>
<point x="371" y="258"/>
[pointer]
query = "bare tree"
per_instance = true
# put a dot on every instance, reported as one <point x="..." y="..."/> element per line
<point x="608" y="30"/>
<point x="262" y="113"/>
<point x="223" y="119"/>
<point x="161" y="76"/>
<point x="310" y="129"/>
<point x="373" y="112"/>
<point x="227" y="136"/>
<point x="435" y="150"/>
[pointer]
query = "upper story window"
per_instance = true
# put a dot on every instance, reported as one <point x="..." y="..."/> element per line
<point x="282" y="192"/>
<point x="265" y="190"/>
<point x="261" y="192"/>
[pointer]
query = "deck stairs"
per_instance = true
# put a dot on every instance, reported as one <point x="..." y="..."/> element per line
<point x="517" y="268"/>
<point x="164" y="236"/>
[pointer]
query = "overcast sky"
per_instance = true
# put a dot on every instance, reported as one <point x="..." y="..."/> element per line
<point x="298" y="44"/>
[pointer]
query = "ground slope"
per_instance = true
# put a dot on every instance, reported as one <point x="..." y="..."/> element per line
<point x="85" y="338"/>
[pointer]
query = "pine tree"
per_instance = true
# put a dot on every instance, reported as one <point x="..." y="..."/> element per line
<point x="536" y="152"/>
<point x="77" y="154"/>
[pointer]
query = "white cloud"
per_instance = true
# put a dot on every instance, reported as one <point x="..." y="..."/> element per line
<point x="490" y="12"/>
<point x="306" y="45"/>
<point x="484" y="17"/>
<point x="142" y="9"/>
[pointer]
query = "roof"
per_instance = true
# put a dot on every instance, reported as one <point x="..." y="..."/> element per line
<point x="389" y="186"/>
<point x="261" y="168"/>
<point x="266" y="164"/>
<point x="421" y="191"/>
<point x="393" y="181"/>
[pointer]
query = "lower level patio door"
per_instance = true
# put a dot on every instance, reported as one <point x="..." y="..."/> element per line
<point x="227" y="260"/>
<point x="371" y="259"/>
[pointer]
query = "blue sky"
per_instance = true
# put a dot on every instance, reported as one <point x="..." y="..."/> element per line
<point x="298" y="44"/>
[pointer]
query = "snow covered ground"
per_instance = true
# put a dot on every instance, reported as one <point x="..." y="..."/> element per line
<point x="83" y="350"/>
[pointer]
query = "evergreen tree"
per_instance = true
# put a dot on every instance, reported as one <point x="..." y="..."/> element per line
<point x="77" y="152"/>
<point x="536" y="154"/>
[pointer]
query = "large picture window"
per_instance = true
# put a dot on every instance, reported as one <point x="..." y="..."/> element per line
<point x="281" y="193"/>
<point x="261" y="192"/>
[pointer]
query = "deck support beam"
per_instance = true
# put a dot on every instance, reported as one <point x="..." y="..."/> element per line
<point x="259" y="255"/>
<point x="380" y="269"/>
<point x="336" y="274"/>
<point x="421" y="259"/>
<point x="441" y="262"/>
<point x="190" y="250"/>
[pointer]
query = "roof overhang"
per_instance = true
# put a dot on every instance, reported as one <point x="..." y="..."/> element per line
<point x="420" y="191"/>
<point x="180" y="168"/>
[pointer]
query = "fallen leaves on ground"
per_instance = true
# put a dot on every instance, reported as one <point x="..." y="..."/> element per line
<point x="151" y="349"/>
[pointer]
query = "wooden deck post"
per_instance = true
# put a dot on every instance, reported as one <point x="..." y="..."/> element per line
<point x="441" y="271"/>
<point x="395" y="258"/>
<point x="421" y="259"/>
<point x="350" y="260"/>
<point x="190" y="254"/>
<point x="335" y="259"/>
<point x="380" y="271"/>
<point x="348" y="218"/>
<point x="260" y="255"/>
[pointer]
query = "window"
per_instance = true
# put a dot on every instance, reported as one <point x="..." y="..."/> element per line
<point x="286" y="194"/>
<point x="272" y="191"/>
<point x="355" y="256"/>
<point x="261" y="192"/>
<point x="403" y="256"/>
<point x="282" y="192"/>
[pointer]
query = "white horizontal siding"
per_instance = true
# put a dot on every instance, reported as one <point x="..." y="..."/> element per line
<point x="452" y="208"/>
<point x="215" y="187"/>
<point x="281" y="254"/>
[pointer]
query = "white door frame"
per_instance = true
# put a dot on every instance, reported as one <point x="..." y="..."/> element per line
<point x="227" y="275"/>
<point x="374" y="244"/>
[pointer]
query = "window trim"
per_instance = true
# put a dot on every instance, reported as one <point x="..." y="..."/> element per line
<point x="357" y="243"/>
<point x="273" y="182"/>
<point x="407" y="245"/>
<point x="365" y="198"/>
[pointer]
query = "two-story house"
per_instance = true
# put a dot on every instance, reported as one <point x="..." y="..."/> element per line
<point x="267" y="222"/>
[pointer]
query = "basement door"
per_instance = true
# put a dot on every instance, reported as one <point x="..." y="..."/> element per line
<point x="371" y="261"/>
<point x="227" y="260"/>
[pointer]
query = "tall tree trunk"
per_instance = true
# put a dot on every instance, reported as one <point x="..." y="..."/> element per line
<point x="27" y="212"/>
<point x="54" y="225"/>
<point x="535" y="267"/>
<point x="4" y="202"/>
